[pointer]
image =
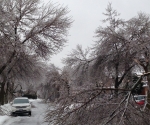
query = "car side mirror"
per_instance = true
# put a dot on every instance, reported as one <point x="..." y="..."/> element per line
<point x="11" y="103"/>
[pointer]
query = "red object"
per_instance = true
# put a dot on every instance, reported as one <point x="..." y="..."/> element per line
<point x="141" y="102"/>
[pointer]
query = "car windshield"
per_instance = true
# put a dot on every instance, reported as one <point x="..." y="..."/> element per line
<point x="21" y="101"/>
<point x="140" y="98"/>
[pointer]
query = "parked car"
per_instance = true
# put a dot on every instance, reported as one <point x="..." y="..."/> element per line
<point x="20" y="105"/>
<point x="140" y="99"/>
<point x="30" y="96"/>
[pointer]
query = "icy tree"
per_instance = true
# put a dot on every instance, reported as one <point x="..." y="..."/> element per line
<point x="109" y="99"/>
<point x="30" y="29"/>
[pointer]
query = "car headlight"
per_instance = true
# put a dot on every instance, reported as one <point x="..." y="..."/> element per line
<point x="28" y="106"/>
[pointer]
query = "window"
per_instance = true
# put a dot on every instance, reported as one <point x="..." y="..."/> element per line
<point x="21" y="101"/>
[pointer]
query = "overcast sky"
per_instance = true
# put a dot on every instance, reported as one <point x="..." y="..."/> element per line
<point x="87" y="16"/>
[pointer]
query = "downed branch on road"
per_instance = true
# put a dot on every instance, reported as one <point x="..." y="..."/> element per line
<point x="99" y="106"/>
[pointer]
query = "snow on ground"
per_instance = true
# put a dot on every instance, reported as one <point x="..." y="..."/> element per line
<point x="37" y="117"/>
<point x="6" y="109"/>
<point x="3" y="119"/>
<point x="6" y="112"/>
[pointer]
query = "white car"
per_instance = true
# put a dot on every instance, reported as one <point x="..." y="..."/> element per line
<point x="21" y="105"/>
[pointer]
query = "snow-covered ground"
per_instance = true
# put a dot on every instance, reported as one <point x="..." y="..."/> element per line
<point x="6" y="112"/>
<point x="37" y="117"/>
<point x="3" y="119"/>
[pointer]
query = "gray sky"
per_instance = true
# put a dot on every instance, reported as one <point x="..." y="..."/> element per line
<point x="87" y="16"/>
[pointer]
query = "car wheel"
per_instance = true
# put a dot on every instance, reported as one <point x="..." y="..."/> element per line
<point x="11" y="114"/>
<point x="30" y="113"/>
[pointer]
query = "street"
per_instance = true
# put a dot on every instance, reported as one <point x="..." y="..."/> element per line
<point x="37" y="117"/>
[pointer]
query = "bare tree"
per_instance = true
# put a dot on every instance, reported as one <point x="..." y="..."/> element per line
<point x="29" y="29"/>
<point x="112" y="48"/>
<point x="56" y="84"/>
<point x="40" y="31"/>
<point x="25" y="70"/>
<point x="80" y="61"/>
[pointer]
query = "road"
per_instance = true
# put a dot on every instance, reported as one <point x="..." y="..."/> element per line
<point x="37" y="118"/>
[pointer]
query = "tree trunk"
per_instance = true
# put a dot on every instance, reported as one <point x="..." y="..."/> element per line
<point x="148" y="80"/>
<point x="7" y="63"/>
<point x="116" y="86"/>
<point x="6" y="93"/>
<point x="2" y="94"/>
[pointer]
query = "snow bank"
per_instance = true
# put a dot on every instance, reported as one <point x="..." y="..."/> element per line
<point x="6" y="112"/>
<point x="38" y="100"/>
<point x="3" y="119"/>
<point x="6" y="109"/>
